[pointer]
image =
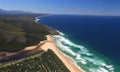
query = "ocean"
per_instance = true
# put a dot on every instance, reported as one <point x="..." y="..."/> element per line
<point x="92" y="42"/>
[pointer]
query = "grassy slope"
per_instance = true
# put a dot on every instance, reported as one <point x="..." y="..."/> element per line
<point x="19" y="31"/>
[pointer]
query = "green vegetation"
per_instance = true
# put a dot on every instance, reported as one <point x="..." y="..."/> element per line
<point x="47" y="62"/>
<point x="19" y="31"/>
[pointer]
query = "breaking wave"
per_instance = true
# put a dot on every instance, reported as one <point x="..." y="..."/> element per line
<point x="81" y="55"/>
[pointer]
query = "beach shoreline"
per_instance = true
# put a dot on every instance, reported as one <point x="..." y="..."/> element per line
<point x="50" y="44"/>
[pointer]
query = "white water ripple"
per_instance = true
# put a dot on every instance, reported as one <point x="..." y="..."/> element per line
<point x="82" y="56"/>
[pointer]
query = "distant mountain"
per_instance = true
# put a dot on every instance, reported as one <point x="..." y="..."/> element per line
<point x="14" y="12"/>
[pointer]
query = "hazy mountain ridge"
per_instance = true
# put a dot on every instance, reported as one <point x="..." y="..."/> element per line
<point x="14" y="12"/>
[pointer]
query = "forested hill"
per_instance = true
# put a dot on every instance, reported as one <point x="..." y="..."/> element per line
<point x="19" y="30"/>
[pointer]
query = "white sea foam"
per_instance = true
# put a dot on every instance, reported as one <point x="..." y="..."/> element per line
<point x="83" y="56"/>
<point x="110" y="67"/>
<point x="89" y="54"/>
<point x="103" y="64"/>
<point x="103" y="69"/>
<point x="95" y="70"/>
<point x="85" y="53"/>
<point x="66" y="45"/>
<point x="68" y="50"/>
<point x="60" y="33"/>
<point x="65" y="48"/>
<point x="68" y="42"/>
<point x="97" y="62"/>
<point x="80" y="59"/>
<point x="36" y="20"/>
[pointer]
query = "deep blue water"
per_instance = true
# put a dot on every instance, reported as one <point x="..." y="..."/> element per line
<point x="98" y="33"/>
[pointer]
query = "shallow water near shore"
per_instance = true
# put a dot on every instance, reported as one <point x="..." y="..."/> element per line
<point x="82" y="57"/>
<point x="87" y="40"/>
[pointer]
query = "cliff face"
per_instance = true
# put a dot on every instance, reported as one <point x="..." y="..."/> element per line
<point x="19" y="31"/>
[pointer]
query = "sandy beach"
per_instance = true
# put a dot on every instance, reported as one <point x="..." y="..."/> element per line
<point x="45" y="45"/>
<point x="50" y="44"/>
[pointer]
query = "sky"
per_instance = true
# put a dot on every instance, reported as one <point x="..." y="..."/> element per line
<point x="82" y="7"/>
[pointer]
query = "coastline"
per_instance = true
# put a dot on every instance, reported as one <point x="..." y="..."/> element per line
<point x="50" y="44"/>
<point x="38" y="17"/>
<point x="42" y="46"/>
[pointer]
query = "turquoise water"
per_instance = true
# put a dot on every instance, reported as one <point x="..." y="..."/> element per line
<point x="92" y="42"/>
<point x="82" y="57"/>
